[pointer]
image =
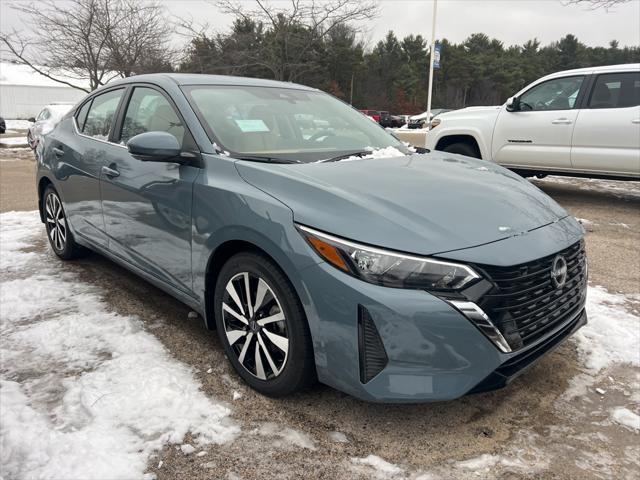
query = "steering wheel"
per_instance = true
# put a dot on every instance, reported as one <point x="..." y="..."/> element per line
<point x="318" y="135"/>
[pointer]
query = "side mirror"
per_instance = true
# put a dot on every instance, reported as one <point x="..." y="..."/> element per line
<point x="155" y="147"/>
<point x="513" y="104"/>
<point x="32" y="120"/>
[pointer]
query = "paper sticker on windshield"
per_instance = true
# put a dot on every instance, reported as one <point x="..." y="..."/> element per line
<point x="249" y="126"/>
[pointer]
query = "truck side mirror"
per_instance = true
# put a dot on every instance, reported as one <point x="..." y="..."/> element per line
<point x="513" y="104"/>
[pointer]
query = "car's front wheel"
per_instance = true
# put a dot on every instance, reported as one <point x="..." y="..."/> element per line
<point x="262" y="326"/>
<point x="58" y="233"/>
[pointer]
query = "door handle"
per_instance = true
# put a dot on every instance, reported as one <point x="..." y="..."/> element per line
<point x="635" y="120"/>
<point x="562" y="121"/>
<point x="110" y="172"/>
<point x="58" y="151"/>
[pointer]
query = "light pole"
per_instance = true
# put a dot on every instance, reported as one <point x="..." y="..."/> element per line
<point x="431" y="59"/>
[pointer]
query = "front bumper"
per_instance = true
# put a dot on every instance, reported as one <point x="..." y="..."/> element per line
<point x="433" y="352"/>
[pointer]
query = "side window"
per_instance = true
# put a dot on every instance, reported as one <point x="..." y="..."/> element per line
<point x="616" y="90"/>
<point x="81" y="116"/>
<point x="556" y="94"/>
<point x="150" y="111"/>
<point x="43" y="115"/>
<point x="101" y="114"/>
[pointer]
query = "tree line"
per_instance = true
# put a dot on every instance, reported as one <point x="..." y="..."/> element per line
<point x="393" y="75"/>
<point x="316" y="43"/>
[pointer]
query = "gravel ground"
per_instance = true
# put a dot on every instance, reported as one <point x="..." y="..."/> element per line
<point x="551" y="422"/>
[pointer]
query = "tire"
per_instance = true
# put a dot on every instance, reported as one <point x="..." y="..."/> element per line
<point x="58" y="233"/>
<point x="462" y="149"/>
<point x="256" y="349"/>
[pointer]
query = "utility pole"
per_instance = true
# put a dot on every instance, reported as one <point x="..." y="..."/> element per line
<point x="431" y="59"/>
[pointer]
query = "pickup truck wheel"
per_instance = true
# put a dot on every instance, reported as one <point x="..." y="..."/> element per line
<point x="462" y="149"/>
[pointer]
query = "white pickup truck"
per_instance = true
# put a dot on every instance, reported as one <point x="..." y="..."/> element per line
<point x="583" y="122"/>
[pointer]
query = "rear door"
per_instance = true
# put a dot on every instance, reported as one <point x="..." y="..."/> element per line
<point x="607" y="133"/>
<point x="147" y="205"/>
<point x="80" y="151"/>
<point x="539" y="133"/>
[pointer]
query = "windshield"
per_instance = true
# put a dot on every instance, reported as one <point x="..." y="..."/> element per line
<point x="282" y="123"/>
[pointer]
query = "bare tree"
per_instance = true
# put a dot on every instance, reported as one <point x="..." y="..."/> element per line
<point x="606" y="4"/>
<point x="88" y="40"/>
<point x="295" y="29"/>
<point x="137" y="36"/>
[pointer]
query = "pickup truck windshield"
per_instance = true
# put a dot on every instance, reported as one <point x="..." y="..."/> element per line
<point x="282" y="123"/>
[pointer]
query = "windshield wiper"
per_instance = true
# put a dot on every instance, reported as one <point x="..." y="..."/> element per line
<point x="264" y="159"/>
<point x="358" y="153"/>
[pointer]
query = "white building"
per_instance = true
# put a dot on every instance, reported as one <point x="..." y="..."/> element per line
<point x="23" y="92"/>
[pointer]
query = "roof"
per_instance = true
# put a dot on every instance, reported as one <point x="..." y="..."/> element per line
<point x="204" y="79"/>
<point x="603" y="69"/>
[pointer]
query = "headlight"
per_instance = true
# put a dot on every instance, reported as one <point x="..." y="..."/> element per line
<point x="387" y="268"/>
<point x="435" y="122"/>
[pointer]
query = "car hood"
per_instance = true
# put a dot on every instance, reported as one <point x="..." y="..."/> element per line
<point x="422" y="204"/>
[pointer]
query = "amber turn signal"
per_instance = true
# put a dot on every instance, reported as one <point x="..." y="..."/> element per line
<point x="328" y="252"/>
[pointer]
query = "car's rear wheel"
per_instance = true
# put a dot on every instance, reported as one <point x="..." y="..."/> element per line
<point x="262" y="326"/>
<point x="462" y="149"/>
<point x="58" y="233"/>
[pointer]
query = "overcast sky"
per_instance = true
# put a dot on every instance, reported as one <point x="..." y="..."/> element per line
<point x="511" y="21"/>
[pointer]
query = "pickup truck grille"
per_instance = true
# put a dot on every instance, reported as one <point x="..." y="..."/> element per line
<point x="525" y="304"/>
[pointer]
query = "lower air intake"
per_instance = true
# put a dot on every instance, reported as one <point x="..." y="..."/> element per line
<point x="373" y="357"/>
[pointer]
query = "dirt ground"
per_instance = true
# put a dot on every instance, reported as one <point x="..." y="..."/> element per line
<point x="535" y="428"/>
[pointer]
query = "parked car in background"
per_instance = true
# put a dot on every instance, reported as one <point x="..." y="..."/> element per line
<point x="583" y="122"/>
<point x="375" y="114"/>
<point x="390" y="121"/>
<point x="46" y="120"/>
<point x="420" y="121"/>
<point x="313" y="254"/>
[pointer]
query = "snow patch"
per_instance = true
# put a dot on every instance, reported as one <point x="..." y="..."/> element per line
<point x="625" y="417"/>
<point x="286" y="435"/>
<point x="382" y="468"/>
<point x="18" y="124"/>
<point x="338" y="437"/>
<point x="85" y="392"/>
<point x="612" y="334"/>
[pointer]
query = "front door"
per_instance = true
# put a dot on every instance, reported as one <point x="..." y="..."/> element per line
<point x="607" y="134"/>
<point x="539" y="133"/>
<point x="147" y="205"/>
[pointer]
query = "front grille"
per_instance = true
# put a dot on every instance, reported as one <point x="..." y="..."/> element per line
<point x="524" y="304"/>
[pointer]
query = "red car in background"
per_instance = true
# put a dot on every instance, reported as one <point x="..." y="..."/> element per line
<point x="375" y="114"/>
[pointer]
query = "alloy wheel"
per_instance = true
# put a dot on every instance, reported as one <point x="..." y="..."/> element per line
<point x="56" y="223"/>
<point x="255" y="325"/>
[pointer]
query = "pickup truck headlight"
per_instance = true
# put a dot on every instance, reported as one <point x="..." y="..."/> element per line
<point x="388" y="268"/>
<point x="435" y="122"/>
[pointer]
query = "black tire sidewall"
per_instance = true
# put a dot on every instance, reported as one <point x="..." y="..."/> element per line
<point x="70" y="250"/>
<point x="462" y="149"/>
<point x="298" y="371"/>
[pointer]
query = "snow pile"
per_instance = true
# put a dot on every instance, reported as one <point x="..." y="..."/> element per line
<point x="381" y="468"/>
<point x="85" y="392"/>
<point x="626" y="417"/>
<point x="612" y="334"/>
<point x="17" y="124"/>
<point x="386" y="152"/>
<point x="13" y="142"/>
